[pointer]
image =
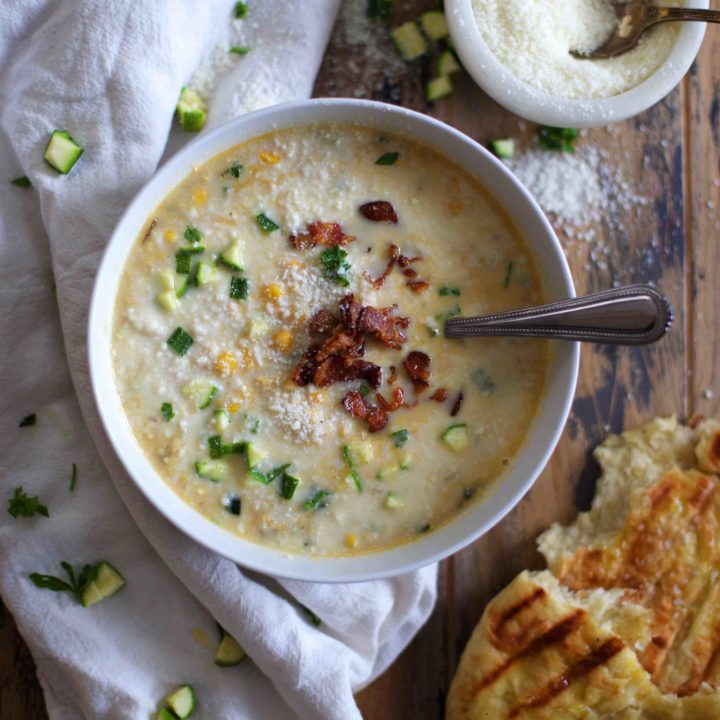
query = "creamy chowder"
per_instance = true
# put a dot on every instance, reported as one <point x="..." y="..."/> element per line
<point x="278" y="340"/>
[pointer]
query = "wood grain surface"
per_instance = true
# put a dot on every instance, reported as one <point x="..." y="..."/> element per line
<point x="669" y="155"/>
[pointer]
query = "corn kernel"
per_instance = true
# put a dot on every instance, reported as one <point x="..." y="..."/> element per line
<point x="283" y="340"/>
<point x="269" y="157"/>
<point x="199" y="196"/>
<point x="273" y="292"/>
<point x="226" y="363"/>
<point x="233" y="407"/>
<point x="170" y="236"/>
<point x="351" y="540"/>
<point x="455" y="207"/>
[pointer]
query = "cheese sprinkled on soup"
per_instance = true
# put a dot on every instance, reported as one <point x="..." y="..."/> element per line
<point x="278" y="340"/>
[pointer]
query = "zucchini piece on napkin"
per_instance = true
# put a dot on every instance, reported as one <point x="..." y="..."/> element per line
<point x="182" y="701"/>
<point x="229" y="651"/>
<point x="191" y="110"/>
<point x="106" y="582"/>
<point x="62" y="152"/>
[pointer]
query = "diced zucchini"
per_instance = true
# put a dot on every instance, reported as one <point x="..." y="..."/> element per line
<point x="405" y="462"/>
<point x="362" y="453"/>
<point x="206" y="273"/>
<point x="182" y="701"/>
<point x="229" y="652"/>
<point x="392" y="502"/>
<point x="258" y="327"/>
<point x="434" y="24"/>
<point x="62" y="152"/>
<point x="182" y="284"/>
<point x="166" y="280"/>
<point x="385" y="472"/>
<point x="191" y="110"/>
<point x="222" y="419"/>
<point x="253" y="455"/>
<point x="107" y="582"/>
<point x="409" y="41"/>
<point x="201" y="392"/>
<point x="503" y="148"/>
<point x="456" y="436"/>
<point x="166" y="714"/>
<point x="213" y="470"/>
<point x="438" y="88"/>
<point x="232" y="255"/>
<point x="168" y="300"/>
<point x="447" y="64"/>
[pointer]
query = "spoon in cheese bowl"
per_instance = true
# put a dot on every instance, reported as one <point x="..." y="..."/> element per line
<point x="634" y="18"/>
<point x="631" y="315"/>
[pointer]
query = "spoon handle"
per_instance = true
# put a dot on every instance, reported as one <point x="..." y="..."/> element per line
<point x="631" y="315"/>
<point x="665" y="14"/>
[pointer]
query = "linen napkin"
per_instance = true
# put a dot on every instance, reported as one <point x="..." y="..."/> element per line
<point x="110" y="74"/>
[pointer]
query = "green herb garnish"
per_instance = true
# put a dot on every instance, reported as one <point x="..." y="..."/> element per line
<point x="399" y="437"/>
<point x="335" y="267"/>
<point x="22" y="182"/>
<point x="388" y="158"/>
<point x="364" y="389"/>
<point x="314" y="619"/>
<point x="553" y="138"/>
<point x="180" y="341"/>
<point x="352" y="471"/>
<point x="215" y="447"/>
<point x="381" y="9"/>
<point x="266" y="224"/>
<point x="238" y="288"/>
<point x="192" y="235"/>
<point x="239" y="50"/>
<point x="167" y="410"/>
<point x="22" y="505"/>
<point x="253" y="424"/>
<point x="28" y="421"/>
<point x="318" y="500"/>
<point x="446" y="290"/>
<point x="235" y="170"/>
<point x="241" y="10"/>
<point x="288" y="485"/>
<point x="508" y="274"/>
<point x="76" y="586"/>
<point x="484" y="382"/>
<point x="182" y="263"/>
<point x="452" y="312"/>
<point x="73" y="477"/>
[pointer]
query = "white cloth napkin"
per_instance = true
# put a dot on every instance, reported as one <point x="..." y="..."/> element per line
<point x="110" y="74"/>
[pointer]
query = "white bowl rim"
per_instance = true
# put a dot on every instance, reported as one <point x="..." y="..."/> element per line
<point x="541" y="107"/>
<point x="479" y="517"/>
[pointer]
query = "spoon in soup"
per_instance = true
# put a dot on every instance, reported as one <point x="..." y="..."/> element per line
<point x="634" y="18"/>
<point x="631" y="315"/>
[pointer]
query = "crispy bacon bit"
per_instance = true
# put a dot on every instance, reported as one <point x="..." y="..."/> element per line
<point x="417" y="366"/>
<point x="440" y="395"/>
<point x="358" y="407"/>
<point x="398" y="398"/>
<point x="409" y="272"/>
<point x="377" y="420"/>
<point x="404" y="260"/>
<point x="322" y="322"/>
<point x="320" y="233"/>
<point x="393" y="375"/>
<point x="458" y="405"/>
<point x="384" y="325"/>
<point x="418" y="286"/>
<point x="379" y="281"/>
<point x="379" y="211"/>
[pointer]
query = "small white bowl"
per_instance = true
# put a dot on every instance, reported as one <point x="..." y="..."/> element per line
<point x="507" y="490"/>
<point x="540" y="107"/>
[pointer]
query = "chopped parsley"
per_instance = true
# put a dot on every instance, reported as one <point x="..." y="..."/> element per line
<point x="180" y="341"/>
<point x="318" y="500"/>
<point x="241" y="10"/>
<point x="266" y="224"/>
<point x="446" y="290"/>
<point x="167" y="410"/>
<point x="335" y="267"/>
<point x="364" y="389"/>
<point x="381" y="9"/>
<point x="353" y="474"/>
<point x="192" y="235"/>
<point x="182" y="263"/>
<point x="22" y="182"/>
<point x="28" y="421"/>
<point x="508" y="273"/>
<point x="553" y="138"/>
<point x="235" y="170"/>
<point x="239" y="50"/>
<point x="22" y="505"/>
<point x="452" y="312"/>
<point x="73" y="477"/>
<point x="485" y="384"/>
<point x="388" y="158"/>
<point x="238" y="288"/>
<point x="400" y="437"/>
<point x="253" y="423"/>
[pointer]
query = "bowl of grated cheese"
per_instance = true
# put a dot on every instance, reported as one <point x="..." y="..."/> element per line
<point x="518" y="52"/>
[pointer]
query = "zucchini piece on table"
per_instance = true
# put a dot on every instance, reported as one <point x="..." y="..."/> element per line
<point x="503" y="148"/>
<point x="191" y="110"/>
<point x="106" y="583"/>
<point x="62" y="152"/>
<point x="447" y="64"/>
<point x="229" y="652"/>
<point x="409" y="41"/>
<point x="456" y="436"/>
<point x="182" y="701"/>
<point x="438" y="88"/>
<point x="434" y="24"/>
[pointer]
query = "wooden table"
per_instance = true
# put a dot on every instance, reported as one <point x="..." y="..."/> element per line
<point x="670" y="155"/>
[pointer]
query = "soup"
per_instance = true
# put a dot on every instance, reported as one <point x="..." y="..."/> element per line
<point x="278" y="340"/>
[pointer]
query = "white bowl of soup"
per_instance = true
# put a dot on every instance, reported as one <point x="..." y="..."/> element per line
<point x="267" y="350"/>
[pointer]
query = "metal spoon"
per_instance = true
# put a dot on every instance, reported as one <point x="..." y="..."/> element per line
<point x="634" y="18"/>
<point x="632" y="315"/>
